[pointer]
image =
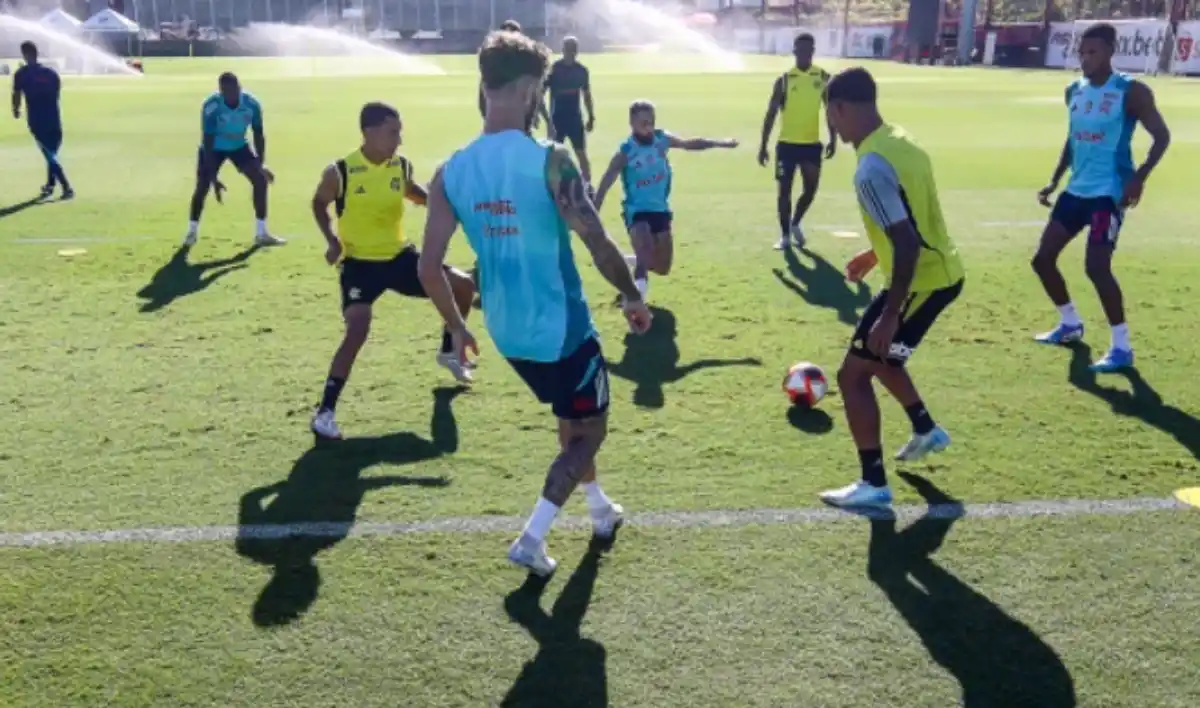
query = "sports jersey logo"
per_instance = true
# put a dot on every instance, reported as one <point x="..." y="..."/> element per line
<point x="356" y="170"/>
<point x="397" y="184"/>
<point x="355" y="293"/>
<point x="1106" y="106"/>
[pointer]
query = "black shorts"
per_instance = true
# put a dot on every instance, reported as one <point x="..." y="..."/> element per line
<point x="920" y="312"/>
<point x="243" y="159"/>
<point x="658" y="221"/>
<point x="48" y="139"/>
<point x="789" y="156"/>
<point x="1099" y="215"/>
<point x="576" y="387"/>
<point x="364" y="281"/>
<point x="570" y="128"/>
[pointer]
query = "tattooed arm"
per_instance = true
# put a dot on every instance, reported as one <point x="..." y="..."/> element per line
<point x="570" y="192"/>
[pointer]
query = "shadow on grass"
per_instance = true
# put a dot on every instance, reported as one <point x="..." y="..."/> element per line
<point x="813" y="421"/>
<point x="651" y="360"/>
<point x="178" y="278"/>
<point x="824" y="285"/>
<point x="1141" y="402"/>
<point x="19" y="207"/>
<point x="286" y="524"/>
<point x="999" y="661"/>
<point x="568" y="671"/>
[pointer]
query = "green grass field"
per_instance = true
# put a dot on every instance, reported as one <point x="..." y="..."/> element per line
<point x="144" y="390"/>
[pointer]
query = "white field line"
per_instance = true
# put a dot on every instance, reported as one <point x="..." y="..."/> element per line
<point x="653" y="519"/>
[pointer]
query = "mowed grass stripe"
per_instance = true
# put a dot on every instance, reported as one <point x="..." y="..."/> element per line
<point x="652" y="519"/>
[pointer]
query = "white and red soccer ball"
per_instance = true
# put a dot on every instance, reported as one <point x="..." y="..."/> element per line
<point x="805" y="384"/>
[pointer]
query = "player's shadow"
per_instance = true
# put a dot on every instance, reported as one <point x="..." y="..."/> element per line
<point x="286" y="524"/>
<point x="19" y="207"/>
<point x="651" y="360"/>
<point x="178" y="278"/>
<point x="1141" y="402"/>
<point x="568" y="671"/>
<point x="813" y="421"/>
<point x="998" y="660"/>
<point x="824" y="285"/>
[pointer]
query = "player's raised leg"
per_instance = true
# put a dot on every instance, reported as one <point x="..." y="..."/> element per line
<point x="641" y="238"/>
<point x="664" y="249"/>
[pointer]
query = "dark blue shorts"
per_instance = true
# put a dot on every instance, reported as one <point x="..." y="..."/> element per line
<point x="242" y="158"/>
<point x="576" y="386"/>
<point x="658" y="221"/>
<point x="1100" y="216"/>
<point x="570" y="128"/>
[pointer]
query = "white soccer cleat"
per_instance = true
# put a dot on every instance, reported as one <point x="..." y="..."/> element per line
<point x="919" y="446"/>
<point x="782" y="245"/>
<point x="459" y="369"/>
<point x="531" y="555"/>
<point x="266" y="239"/>
<point x="860" y="494"/>
<point x="324" y="426"/>
<point x="606" y="521"/>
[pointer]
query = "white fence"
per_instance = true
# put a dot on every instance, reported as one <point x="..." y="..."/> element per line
<point x="858" y="41"/>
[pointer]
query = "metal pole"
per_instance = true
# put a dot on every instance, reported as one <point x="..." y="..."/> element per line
<point x="491" y="14"/>
<point x="212" y="12"/>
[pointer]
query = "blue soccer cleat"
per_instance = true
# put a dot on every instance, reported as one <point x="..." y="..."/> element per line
<point x="1115" y="360"/>
<point x="1062" y="334"/>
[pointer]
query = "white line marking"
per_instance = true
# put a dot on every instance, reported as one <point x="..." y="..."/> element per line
<point x="653" y="519"/>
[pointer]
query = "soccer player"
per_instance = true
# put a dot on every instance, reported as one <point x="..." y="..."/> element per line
<point x="540" y="114"/>
<point x="568" y="82"/>
<point x="645" y="173"/>
<point x="40" y="86"/>
<point x="1103" y="109"/>
<point x="369" y="189"/>
<point x="226" y="116"/>
<point x="797" y="96"/>
<point x="516" y="198"/>
<point x="910" y="242"/>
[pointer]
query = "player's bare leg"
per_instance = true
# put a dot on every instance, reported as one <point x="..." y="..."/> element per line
<point x="1055" y="238"/>
<point x="810" y="181"/>
<point x="927" y="435"/>
<point x="1098" y="265"/>
<point x="585" y="165"/>
<point x="358" y="327"/>
<point x="259" y="185"/>
<point x="580" y="441"/>
<point x="463" y="287"/>
<point x="607" y="515"/>
<point x="862" y="414"/>
<point x="199" y="196"/>
<point x="785" y="175"/>
<point x="664" y="253"/>
<point x="643" y="248"/>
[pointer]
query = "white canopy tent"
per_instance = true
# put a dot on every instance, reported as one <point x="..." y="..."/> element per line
<point x="109" y="21"/>
<point x="60" y="21"/>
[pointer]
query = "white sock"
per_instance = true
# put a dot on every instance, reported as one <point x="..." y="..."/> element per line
<point x="193" y="227"/>
<point x="1120" y="337"/>
<point x="597" y="500"/>
<point x="541" y="519"/>
<point x="643" y="286"/>
<point x="1070" y="316"/>
<point x="260" y="227"/>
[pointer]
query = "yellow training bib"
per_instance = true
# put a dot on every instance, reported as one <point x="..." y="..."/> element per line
<point x="938" y="264"/>
<point x="371" y="204"/>
<point x="803" y="94"/>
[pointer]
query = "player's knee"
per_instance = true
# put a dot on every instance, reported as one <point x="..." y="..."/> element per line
<point x="1043" y="262"/>
<point x="854" y="373"/>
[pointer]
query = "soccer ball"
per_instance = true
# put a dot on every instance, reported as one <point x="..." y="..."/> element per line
<point x="805" y="384"/>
